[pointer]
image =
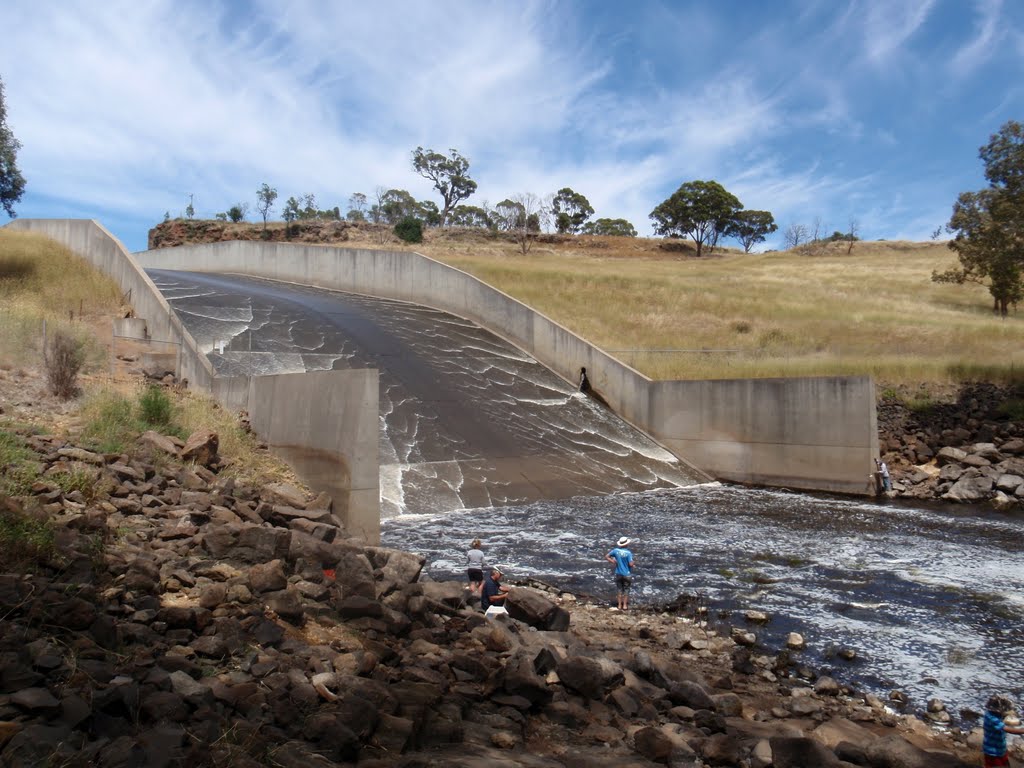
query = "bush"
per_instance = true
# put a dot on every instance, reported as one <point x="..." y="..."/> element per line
<point x="63" y="359"/>
<point x="25" y="541"/>
<point x="155" y="407"/>
<point x="409" y="230"/>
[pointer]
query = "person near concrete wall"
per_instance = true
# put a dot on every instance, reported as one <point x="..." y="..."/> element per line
<point x="884" y="481"/>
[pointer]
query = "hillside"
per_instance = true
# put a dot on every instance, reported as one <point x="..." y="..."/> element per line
<point x="652" y="303"/>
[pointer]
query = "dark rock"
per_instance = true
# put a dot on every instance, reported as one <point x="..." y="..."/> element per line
<point x="37" y="701"/>
<point x="201" y="447"/>
<point x="800" y="752"/>
<point x="589" y="677"/>
<point x="533" y="608"/>
<point x="690" y="694"/>
<point x="521" y="679"/>
<point x="723" y="749"/>
<point x="653" y="744"/>
<point x="258" y="544"/>
<point x="268" y="577"/>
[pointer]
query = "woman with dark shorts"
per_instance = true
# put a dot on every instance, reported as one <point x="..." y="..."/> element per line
<point x="475" y="571"/>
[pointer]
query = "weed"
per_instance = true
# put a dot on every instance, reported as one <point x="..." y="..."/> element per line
<point x="110" y="425"/>
<point x="1012" y="409"/>
<point x="155" y="407"/>
<point x="922" y="403"/>
<point x="24" y="540"/>
<point x="83" y="481"/>
<point x="63" y="359"/>
<point x="741" y="326"/>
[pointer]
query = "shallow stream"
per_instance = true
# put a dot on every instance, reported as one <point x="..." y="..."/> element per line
<point x="932" y="601"/>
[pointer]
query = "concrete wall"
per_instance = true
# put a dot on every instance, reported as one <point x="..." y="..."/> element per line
<point x="92" y="242"/>
<point x="325" y="423"/>
<point x="815" y="433"/>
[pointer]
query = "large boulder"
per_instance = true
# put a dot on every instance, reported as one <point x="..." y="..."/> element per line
<point x="533" y="608"/>
<point x="800" y="752"/>
<point x="521" y="679"/>
<point x="394" y="568"/>
<point x="201" y="447"/>
<point x="970" y="489"/>
<point x="589" y="677"/>
<point x="896" y="752"/>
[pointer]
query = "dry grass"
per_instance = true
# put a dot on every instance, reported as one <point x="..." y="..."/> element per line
<point x="41" y="281"/>
<point x="113" y="417"/>
<point x="800" y="313"/>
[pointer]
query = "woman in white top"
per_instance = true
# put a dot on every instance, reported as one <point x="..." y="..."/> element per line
<point x="475" y="571"/>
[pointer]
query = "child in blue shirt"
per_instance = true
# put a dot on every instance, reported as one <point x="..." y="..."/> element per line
<point x="993" y="746"/>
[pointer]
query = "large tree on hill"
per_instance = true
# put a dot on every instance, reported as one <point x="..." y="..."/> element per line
<point x="703" y="210"/>
<point x="523" y="216"/>
<point x="615" y="227"/>
<point x="12" y="183"/>
<point x="571" y="210"/>
<point x="988" y="225"/>
<point x="450" y="175"/>
<point x="751" y="227"/>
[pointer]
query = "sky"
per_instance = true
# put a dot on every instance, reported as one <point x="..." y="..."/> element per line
<point x="825" y="111"/>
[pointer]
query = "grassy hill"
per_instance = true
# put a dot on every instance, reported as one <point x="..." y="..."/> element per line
<point x="812" y="311"/>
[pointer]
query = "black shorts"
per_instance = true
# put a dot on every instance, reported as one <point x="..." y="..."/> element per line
<point x="623" y="583"/>
<point x="475" y="574"/>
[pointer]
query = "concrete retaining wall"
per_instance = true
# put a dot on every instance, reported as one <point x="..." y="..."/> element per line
<point x="326" y="423"/>
<point x="817" y="433"/>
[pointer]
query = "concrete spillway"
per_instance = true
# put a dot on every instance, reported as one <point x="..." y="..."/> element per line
<point x="467" y="420"/>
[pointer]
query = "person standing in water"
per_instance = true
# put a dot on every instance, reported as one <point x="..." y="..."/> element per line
<point x="622" y="559"/>
<point x="475" y="571"/>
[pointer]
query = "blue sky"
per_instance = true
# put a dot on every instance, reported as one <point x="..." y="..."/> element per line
<point x="870" y="110"/>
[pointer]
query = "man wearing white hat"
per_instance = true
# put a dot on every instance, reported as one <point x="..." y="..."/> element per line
<point x="622" y="559"/>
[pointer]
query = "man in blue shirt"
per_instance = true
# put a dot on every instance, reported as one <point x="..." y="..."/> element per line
<point x="622" y="559"/>
<point x="493" y="593"/>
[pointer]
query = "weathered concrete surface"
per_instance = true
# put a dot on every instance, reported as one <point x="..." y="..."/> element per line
<point x="325" y="423"/>
<point x="815" y="433"/>
<point x="333" y="436"/>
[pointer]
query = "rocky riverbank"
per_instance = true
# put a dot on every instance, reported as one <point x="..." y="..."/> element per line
<point x="182" y="618"/>
<point x="967" y="447"/>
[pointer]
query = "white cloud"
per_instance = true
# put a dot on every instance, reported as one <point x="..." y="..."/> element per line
<point x="889" y="25"/>
<point x="981" y="46"/>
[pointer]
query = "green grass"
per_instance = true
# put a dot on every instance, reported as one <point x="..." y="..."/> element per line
<point x="26" y="541"/>
<point x="18" y="467"/>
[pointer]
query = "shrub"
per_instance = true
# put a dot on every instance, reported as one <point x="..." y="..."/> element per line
<point x="155" y="407"/>
<point x="409" y="230"/>
<point x="24" y="540"/>
<point x="63" y="359"/>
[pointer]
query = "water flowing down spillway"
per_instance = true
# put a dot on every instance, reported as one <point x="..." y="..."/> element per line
<point x="467" y="419"/>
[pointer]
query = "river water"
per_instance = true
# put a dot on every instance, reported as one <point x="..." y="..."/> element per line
<point x="931" y="600"/>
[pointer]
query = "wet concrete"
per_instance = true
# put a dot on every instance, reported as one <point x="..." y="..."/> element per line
<point x="467" y="419"/>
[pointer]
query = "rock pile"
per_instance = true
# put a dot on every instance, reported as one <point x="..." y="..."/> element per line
<point x="188" y="620"/>
<point x="969" y="450"/>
